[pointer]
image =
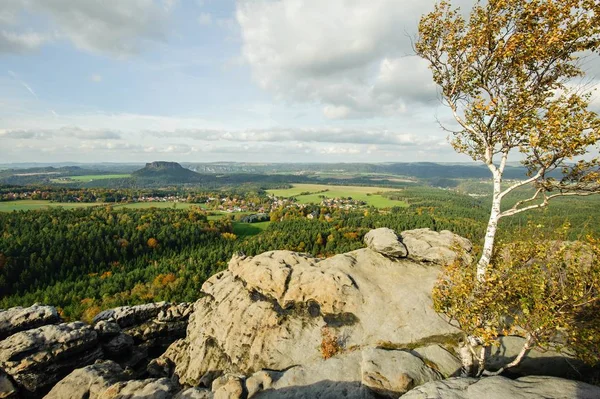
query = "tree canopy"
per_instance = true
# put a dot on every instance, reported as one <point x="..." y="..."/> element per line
<point x="511" y="75"/>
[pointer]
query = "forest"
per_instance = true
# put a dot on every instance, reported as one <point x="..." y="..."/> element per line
<point x="88" y="259"/>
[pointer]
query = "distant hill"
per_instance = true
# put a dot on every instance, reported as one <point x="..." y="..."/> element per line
<point x="166" y="172"/>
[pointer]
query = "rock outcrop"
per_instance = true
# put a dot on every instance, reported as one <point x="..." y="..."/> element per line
<point x="386" y="242"/>
<point x="39" y="357"/>
<point x="268" y="311"/>
<point x="88" y="382"/>
<point x="37" y="350"/>
<point x="425" y="245"/>
<point x="530" y="387"/>
<point x="18" y="319"/>
<point x="260" y="331"/>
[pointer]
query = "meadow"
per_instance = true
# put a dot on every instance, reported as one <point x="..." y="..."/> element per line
<point x="249" y="229"/>
<point x="371" y="195"/>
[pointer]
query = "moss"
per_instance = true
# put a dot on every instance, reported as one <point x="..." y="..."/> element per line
<point x="448" y="342"/>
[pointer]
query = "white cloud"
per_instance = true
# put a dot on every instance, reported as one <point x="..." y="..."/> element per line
<point x="345" y="55"/>
<point x="96" y="78"/>
<point x="120" y="28"/>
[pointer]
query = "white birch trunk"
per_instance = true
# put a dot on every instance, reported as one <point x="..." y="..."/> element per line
<point x="490" y="233"/>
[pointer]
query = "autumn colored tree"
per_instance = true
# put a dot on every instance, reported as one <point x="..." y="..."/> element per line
<point x="152" y="242"/>
<point x="507" y="74"/>
<point x="547" y="288"/>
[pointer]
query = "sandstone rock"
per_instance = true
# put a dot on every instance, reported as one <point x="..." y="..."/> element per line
<point x="7" y="388"/>
<point x="267" y="312"/>
<point x="39" y="357"/>
<point x="127" y="316"/>
<point x="370" y="373"/>
<point x="436" y="247"/>
<point x="107" y="329"/>
<point x="259" y="381"/>
<point x="228" y="387"/>
<point x="385" y="241"/>
<point x="88" y="382"/>
<point x="550" y="363"/>
<point x="393" y="373"/>
<point x="439" y="359"/>
<point x="194" y="393"/>
<point x="175" y="312"/>
<point x="531" y="387"/>
<point x="336" y="377"/>
<point x="157" y="332"/>
<point x="153" y="388"/>
<point x="18" y="319"/>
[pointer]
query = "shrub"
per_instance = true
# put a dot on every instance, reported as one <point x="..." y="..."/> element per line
<point x="546" y="290"/>
<point x="330" y="345"/>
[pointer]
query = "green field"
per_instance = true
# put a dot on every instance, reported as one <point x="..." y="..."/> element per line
<point x="249" y="229"/>
<point x="368" y="194"/>
<point x="88" y="178"/>
<point x="26" y="205"/>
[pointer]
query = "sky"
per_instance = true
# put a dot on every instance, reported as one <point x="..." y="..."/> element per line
<point x="217" y="80"/>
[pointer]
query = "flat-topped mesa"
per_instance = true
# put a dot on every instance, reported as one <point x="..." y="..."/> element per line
<point x="163" y="165"/>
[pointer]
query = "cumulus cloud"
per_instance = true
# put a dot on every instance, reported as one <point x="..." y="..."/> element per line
<point x="347" y="55"/>
<point x="306" y="135"/>
<point x="120" y="28"/>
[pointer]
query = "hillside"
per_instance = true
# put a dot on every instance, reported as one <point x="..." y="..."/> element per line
<point x="167" y="172"/>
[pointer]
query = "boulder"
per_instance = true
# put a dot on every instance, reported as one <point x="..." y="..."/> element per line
<point x="259" y="381"/>
<point x="107" y="329"/>
<point x="385" y="241"/>
<point x="393" y="373"/>
<point x="88" y="382"/>
<point x="426" y="245"/>
<point x="153" y="388"/>
<point x="228" y="387"/>
<point x="530" y="387"/>
<point x="19" y="319"/>
<point x="267" y="311"/>
<point x="439" y="359"/>
<point x="38" y="358"/>
<point x="336" y="377"/>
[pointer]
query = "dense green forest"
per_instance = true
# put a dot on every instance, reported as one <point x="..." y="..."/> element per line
<point x="88" y="259"/>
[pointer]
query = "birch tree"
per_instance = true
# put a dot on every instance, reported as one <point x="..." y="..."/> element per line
<point x="507" y="74"/>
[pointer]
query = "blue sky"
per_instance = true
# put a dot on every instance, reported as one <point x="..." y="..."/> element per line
<point x="216" y="80"/>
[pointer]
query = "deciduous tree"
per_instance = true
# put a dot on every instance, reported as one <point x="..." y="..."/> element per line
<point x="507" y="74"/>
